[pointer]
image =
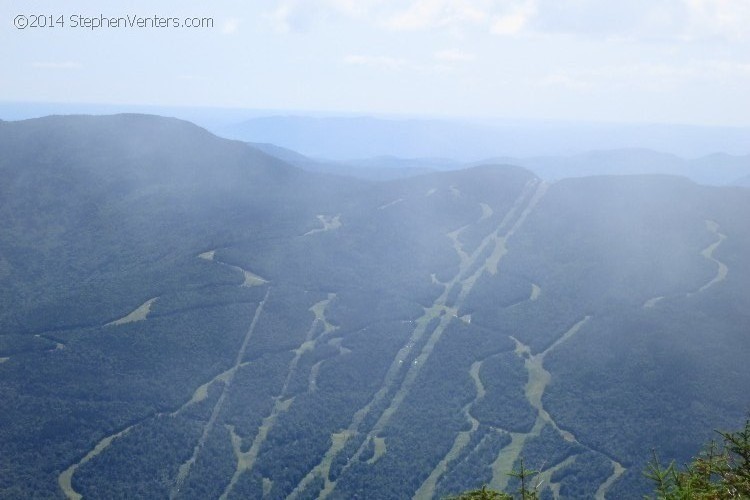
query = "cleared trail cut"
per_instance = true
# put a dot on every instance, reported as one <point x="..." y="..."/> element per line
<point x="394" y="202"/>
<point x="427" y="489"/>
<point x="65" y="479"/>
<point x="619" y="470"/>
<point x="523" y="206"/>
<point x="538" y="379"/>
<point x="250" y="278"/>
<point x="329" y="224"/>
<point x="282" y="402"/>
<point x="708" y="253"/>
<point x="184" y="469"/>
<point x="426" y="338"/>
<point x="138" y="314"/>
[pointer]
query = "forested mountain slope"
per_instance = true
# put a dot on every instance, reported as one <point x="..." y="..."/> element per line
<point x="185" y="316"/>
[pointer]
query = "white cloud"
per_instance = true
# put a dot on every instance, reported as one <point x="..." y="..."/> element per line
<point x="352" y="8"/>
<point x="56" y="65"/>
<point x="650" y="76"/>
<point x="230" y="26"/>
<point x="676" y="20"/>
<point x="192" y="78"/>
<point x="426" y="14"/>
<point x="292" y="16"/>
<point x="644" y="20"/>
<point x="564" y="80"/>
<point x="441" y="66"/>
<point x="729" y="19"/>
<point x="299" y="15"/>
<point x="453" y="55"/>
<point x="392" y="63"/>
<point x="515" y="19"/>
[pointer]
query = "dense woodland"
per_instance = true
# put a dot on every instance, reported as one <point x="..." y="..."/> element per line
<point x="185" y="316"/>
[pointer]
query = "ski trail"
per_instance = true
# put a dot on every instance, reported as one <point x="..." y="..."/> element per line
<point x="138" y="314"/>
<point x="201" y="393"/>
<point x="394" y="202"/>
<point x="427" y="489"/>
<point x="184" y="469"/>
<point x="329" y="224"/>
<point x="65" y="479"/>
<point x="58" y="345"/>
<point x="339" y="439"/>
<point x="708" y="253"/>
<point x="501" y="249"/>
<point x="601" y="492"/>
<point x="250" y="279"/>
<point x="652" y="302"/>
<point x="538" y="378"/>
<point x="545" y="476"/>
<point x="527" y="199"/>
<point x="312" y="379"/>
<point x="209" y="255"/>
<point x="449" y="313"/>
<point x="380" y="449"/>
<point x="486" y="211"/>
<point x="246" y="460"/>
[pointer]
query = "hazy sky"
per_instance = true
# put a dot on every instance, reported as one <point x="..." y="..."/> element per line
<point x="679" y="61"/>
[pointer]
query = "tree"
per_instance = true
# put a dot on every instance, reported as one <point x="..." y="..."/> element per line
<point x="525" y="492"/>
<point x="718" y="472"/>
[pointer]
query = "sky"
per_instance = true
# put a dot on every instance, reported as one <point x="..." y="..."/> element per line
<point x="656" y="61"/>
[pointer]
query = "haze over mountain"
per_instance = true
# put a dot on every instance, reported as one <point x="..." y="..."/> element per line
<point x="187" y="316"/>
<point x="344" y="138"/>
<point x="715" y="169"/>
<point x="718" y="169"/>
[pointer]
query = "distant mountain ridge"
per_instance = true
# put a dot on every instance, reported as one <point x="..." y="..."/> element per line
<point x="717" y="169"/>
<point x="343" y="138"/>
